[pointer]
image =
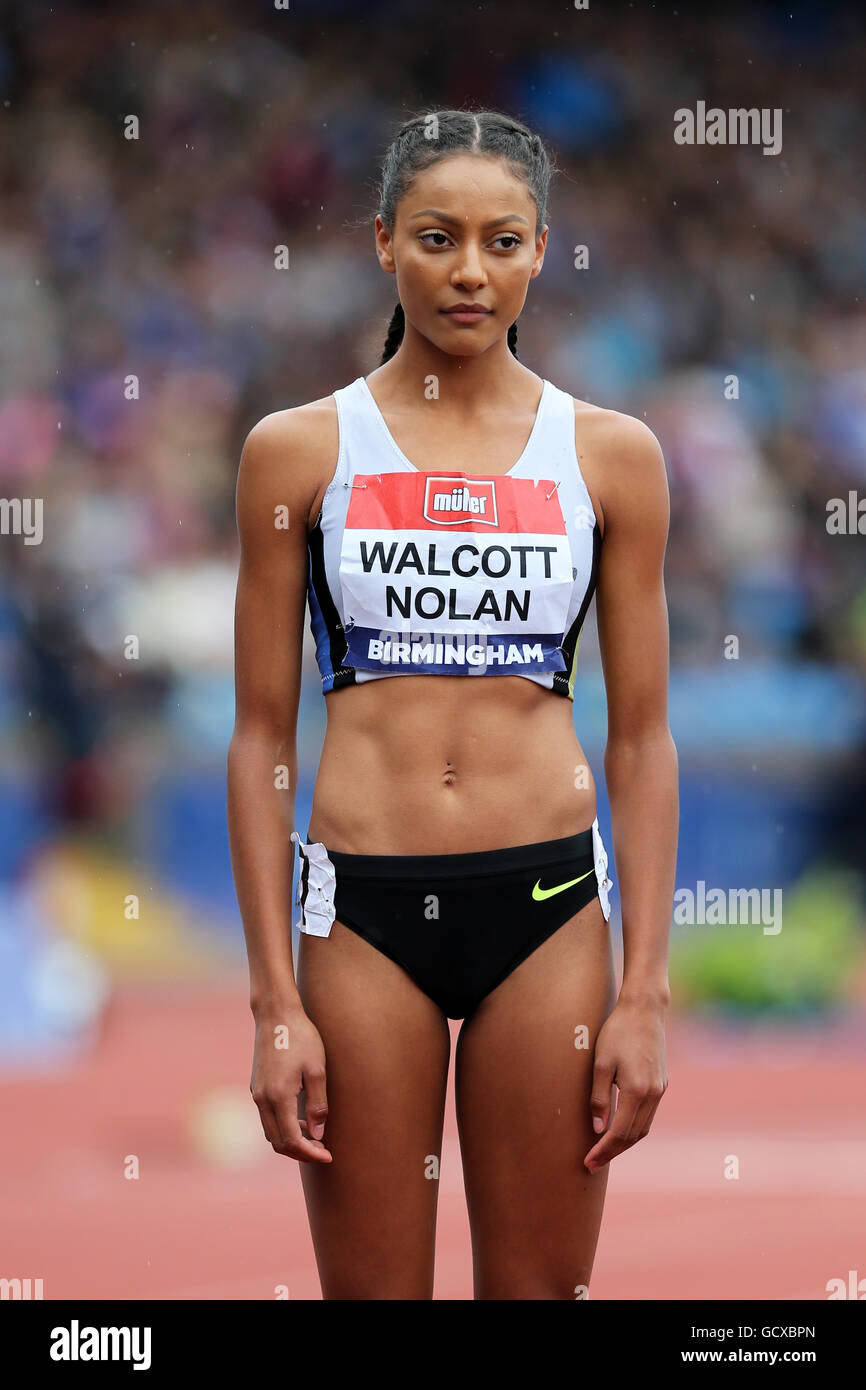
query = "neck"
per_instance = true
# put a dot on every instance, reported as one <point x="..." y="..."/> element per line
<point x="492" y="377"/>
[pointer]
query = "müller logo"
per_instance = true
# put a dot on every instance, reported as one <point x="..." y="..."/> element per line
<point x="447" y="502"/>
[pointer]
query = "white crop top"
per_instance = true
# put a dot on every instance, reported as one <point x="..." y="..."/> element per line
<point x="451" y="573"/>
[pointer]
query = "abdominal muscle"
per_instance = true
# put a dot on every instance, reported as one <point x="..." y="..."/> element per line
<point x="448" y="765"/>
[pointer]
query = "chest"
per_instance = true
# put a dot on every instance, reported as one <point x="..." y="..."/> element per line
<point x="459" y="554"/>
<point x="491" y="446"/>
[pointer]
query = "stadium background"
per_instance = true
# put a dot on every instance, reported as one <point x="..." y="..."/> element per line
<point x="154" y="258"/>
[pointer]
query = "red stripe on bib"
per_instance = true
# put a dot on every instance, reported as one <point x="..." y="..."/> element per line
<point x="454" y="501"/>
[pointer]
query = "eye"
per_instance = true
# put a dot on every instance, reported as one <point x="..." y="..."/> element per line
<point x="438" y="239"/>
<point x="424" y="235"/>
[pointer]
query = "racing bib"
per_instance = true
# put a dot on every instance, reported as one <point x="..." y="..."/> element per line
<point x="455" y="574"/>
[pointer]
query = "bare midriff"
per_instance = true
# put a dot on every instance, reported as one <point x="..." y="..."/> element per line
<point x="428" y="764"/>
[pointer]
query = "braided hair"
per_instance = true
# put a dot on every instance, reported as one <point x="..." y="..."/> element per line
<point x="426" y="138"/>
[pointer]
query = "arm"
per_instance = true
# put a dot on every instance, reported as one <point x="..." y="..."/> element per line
<point x="641" y="771"/>
<point x="276" y="485"/>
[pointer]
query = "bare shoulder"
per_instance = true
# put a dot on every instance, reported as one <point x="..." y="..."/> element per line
<point x="621" y="460"/>
<point x="615" y="436"/>
<point x="313" y="425"/>
<point x="292" y="452"/>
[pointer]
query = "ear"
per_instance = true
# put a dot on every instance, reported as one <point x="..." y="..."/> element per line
<point x="384" y="247"/>
<point x="540" y="248"/>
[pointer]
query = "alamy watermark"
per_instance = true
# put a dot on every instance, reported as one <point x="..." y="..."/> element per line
<point x="22" y="516"/>
<point x="715" y="907"/>
<point x="77" y="1343"/>
<point x="738" y="125"/>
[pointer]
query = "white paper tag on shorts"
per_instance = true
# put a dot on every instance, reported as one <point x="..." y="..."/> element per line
<point x="604" y="882"/>
<point x="316" y="898"/>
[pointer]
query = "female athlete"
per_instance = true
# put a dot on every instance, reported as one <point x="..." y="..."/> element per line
<point x="448" y="518"/>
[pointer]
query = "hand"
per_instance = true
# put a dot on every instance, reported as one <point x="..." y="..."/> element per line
<point x="630" y="1052"/>
<point x="280" y="1074"/>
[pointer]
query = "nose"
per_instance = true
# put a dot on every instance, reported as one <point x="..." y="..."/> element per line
<point x="470" y="272"/>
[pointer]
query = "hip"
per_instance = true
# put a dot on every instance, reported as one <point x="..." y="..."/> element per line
<point x="457" y="924"/>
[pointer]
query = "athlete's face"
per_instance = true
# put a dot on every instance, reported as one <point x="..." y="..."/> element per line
<point x="464" y="233"/>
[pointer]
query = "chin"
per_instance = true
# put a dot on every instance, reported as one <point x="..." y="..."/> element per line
<point x="471" y="346"/>
<point x="474" y="351"/>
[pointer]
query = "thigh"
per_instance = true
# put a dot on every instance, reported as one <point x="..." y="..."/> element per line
<point x="523" y="1082"/>
<point x="372" y="1211"/>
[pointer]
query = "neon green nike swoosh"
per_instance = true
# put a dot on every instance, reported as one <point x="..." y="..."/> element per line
<point x="539" y="893"/>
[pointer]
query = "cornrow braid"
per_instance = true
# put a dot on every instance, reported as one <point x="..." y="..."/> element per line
<point x="427" y="137"/>
<point x="394" y="336"/>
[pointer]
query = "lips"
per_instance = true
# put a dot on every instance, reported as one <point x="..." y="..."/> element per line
<point x="467" y="314"/>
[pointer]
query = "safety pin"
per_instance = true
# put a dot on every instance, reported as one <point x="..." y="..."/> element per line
<point x="354" y="485"/>
<point x="553" y="489"/>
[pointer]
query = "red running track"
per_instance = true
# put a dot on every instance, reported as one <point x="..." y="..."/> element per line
<point x="784" y="1101"/>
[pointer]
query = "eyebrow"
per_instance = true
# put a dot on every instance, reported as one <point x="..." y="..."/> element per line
<point x="456" y="221"/>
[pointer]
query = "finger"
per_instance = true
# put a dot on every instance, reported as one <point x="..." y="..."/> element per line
<point x="638" y="1128"/>
<point x="613" y="1143"/>
<point x="293" y="1143"/>
<point x="643" y="1121"/>
<point x="268" y="1119"/>
<point x="643" y="1115"/>
<point x="314" y="1102"/>
<point x="617" y="1137"/>
<point x="601" y="1098"/>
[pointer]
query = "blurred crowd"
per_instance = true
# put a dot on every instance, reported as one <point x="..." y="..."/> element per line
<point x="144" y="326"/>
